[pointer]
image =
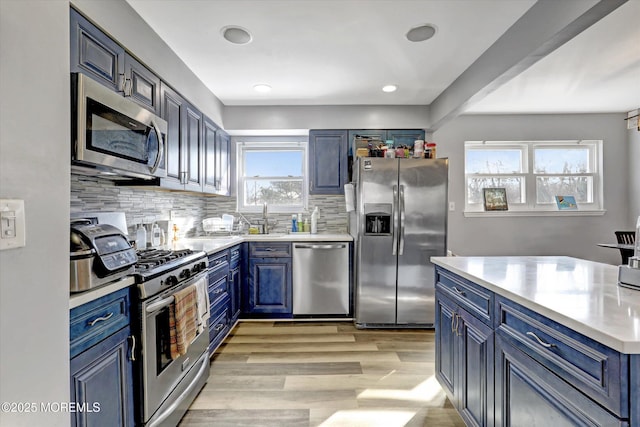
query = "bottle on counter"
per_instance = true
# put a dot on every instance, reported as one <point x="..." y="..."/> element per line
<point x="294" y="223"/>
<point x="307" y="227"/>
<point x="156" y="236"/>
<point x="141" y="237"/>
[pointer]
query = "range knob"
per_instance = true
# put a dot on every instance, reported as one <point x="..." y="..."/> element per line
<point x="185" y="273"/>
<point x="172" y="281"/>
<point x="203" y="266"/>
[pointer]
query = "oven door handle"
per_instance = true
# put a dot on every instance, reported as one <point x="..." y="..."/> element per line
<point x="152" y="308"/>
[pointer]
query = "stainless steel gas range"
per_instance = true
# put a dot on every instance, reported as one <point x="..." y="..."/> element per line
<point x="166" y="386"/>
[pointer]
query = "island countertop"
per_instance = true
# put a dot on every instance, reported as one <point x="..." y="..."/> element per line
<point x="579" y="294"/>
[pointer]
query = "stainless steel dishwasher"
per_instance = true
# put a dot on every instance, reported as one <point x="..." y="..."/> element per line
<point x="321" y="278"/>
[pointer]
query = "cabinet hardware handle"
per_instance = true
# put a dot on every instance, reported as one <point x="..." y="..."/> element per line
<point x="133" y="348"/>
<point x="542" y="343"/>
<point x="458" y="291"/>
<point x="269" y="249"/>
<point x="101" y="319"/>
<point x="219" y="327"/>
<point x="218" y="291"/>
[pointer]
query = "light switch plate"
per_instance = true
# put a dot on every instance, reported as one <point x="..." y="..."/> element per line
<point x="12" y="224"/>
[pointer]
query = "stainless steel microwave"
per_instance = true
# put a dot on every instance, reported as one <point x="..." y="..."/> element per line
<point x="112" y="135"/>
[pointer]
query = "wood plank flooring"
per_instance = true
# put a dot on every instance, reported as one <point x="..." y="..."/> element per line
<point x="325" y="374"/>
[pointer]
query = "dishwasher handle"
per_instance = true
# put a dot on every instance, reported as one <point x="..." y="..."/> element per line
<point x="335" y="246"/>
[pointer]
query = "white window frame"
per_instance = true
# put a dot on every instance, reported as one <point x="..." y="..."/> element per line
<point x="530" y="207"/>
<point x="244" y="147"/>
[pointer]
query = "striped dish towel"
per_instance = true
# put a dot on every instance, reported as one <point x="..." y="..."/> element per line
<point x="182" y="321"/>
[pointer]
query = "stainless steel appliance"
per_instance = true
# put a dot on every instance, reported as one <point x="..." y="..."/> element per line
<point x="112" y="135"/>
<point x="166" y="387"/>
<point x="321" y="278"/>
<point x="401" y="221"/>
<point x="100" y="254"/>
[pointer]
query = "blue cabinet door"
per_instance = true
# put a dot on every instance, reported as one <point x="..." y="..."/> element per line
<point x="475" y="353"/>
<point x="95" y="54"/>
<point x="172" y="109"/>
<point x="464" y="361"/>
<point x="192" y="139"/>
<point x="234" y="293"/>
<point x="446" y="341"/>
<point x="327" y="161"/>
<point x="210" y="178"/>
<point x="405" y="136"/>
<point x="223" y="150"/>
<point x="102" y="381"/>
<point x="141" y="84"/>
<point x="527" y="394"/>
<point x="270" y="286"/>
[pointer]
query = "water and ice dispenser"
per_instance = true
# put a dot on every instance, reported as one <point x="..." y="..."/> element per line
<point x="377" y="218"/>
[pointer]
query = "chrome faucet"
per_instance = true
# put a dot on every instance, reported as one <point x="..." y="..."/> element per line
<point x="265" y="217"/>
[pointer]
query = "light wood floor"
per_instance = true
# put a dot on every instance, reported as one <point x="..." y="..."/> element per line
<point x="322" y="374"/>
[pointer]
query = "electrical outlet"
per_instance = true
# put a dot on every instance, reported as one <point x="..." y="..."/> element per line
<point x="173" y="215"/>
<point x="452" y="206"/>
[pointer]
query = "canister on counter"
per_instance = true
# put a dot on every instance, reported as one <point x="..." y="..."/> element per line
<point x="430" y="151"/>
<point x="418" y="148"/>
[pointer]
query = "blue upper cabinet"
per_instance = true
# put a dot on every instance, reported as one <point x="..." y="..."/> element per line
<point x="141" y="84"/>
<point x="223" y="149"/>
<point x="328" y="154"/>
<point x="95" y="54"/>
<point x="173" y="111"/>
<point x="404" y="136"/>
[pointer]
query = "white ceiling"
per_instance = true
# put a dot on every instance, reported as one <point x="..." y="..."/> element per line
<point x="341" y="52"/>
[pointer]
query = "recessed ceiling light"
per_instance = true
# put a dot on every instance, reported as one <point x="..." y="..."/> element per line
<point x="421" y="33"/>
<point x="262" y="88"/>
<point x="390" y="88"/>
<point x="236" y="35"/>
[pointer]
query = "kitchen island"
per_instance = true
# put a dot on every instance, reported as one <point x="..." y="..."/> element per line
<point x="537" y="341"/>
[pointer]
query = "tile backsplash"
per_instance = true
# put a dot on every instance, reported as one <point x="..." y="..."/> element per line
<point x="144" y="205"/>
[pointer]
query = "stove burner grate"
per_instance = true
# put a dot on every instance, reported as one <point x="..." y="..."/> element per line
<point x="150" y="258"/>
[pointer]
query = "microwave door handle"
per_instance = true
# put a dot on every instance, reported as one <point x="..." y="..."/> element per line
<point x="160" y="155"/>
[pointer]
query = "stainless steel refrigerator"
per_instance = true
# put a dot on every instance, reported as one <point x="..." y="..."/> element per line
<point x="400" y="221"/>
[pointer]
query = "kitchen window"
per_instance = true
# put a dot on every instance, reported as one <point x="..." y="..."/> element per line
<point x="533" y="173"/>
<point x="274" y="173"/>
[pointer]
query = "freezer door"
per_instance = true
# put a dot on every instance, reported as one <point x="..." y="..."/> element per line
<point x="423" y="234"/>
<point x="376" y="262"/>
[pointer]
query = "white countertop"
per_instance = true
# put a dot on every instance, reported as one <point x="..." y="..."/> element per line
<point x="209" y="245"/>
<point x="216" y="243"/>
<point x="77" y="299"/>
<point x="579" y="294"/>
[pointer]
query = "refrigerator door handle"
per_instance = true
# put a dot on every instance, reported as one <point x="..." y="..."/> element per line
<point x="402" y="217"/>
<point x="395" y="221"/>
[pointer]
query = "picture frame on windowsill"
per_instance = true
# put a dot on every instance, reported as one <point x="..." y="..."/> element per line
<point x="495" y="199"/>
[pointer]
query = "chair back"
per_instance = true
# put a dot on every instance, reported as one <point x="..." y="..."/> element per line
<point x="627" y="238"/>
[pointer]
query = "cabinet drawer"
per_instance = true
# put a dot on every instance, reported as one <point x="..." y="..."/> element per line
<point x="218" y="290"/>
<point x="96" y="320"/>
<point x="527" y="394"/>
<point x="218" y="262"/>
<point x="598" y="371"/>
<point x="269" y="250"/>
<point x="473" y="298"/>
<point x="218" y="328"/>
<point x="234" y="256"/>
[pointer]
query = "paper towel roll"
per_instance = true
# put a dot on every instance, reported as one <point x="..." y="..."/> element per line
<point x="349" y="197"/>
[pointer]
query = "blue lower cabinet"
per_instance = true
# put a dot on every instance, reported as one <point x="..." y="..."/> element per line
<point x="102" y="383"/>
<point x="527" y="394"/>
<point x="219" y="324"/>
<point x="464" y="361"/>
<point x="270" y="287"/>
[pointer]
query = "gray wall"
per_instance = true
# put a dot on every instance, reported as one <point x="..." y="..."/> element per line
<point x="34" y="166"/>
<point x="327" y="117"/>
<point x="634" y="176"/>
<point x="575" y="236"/>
